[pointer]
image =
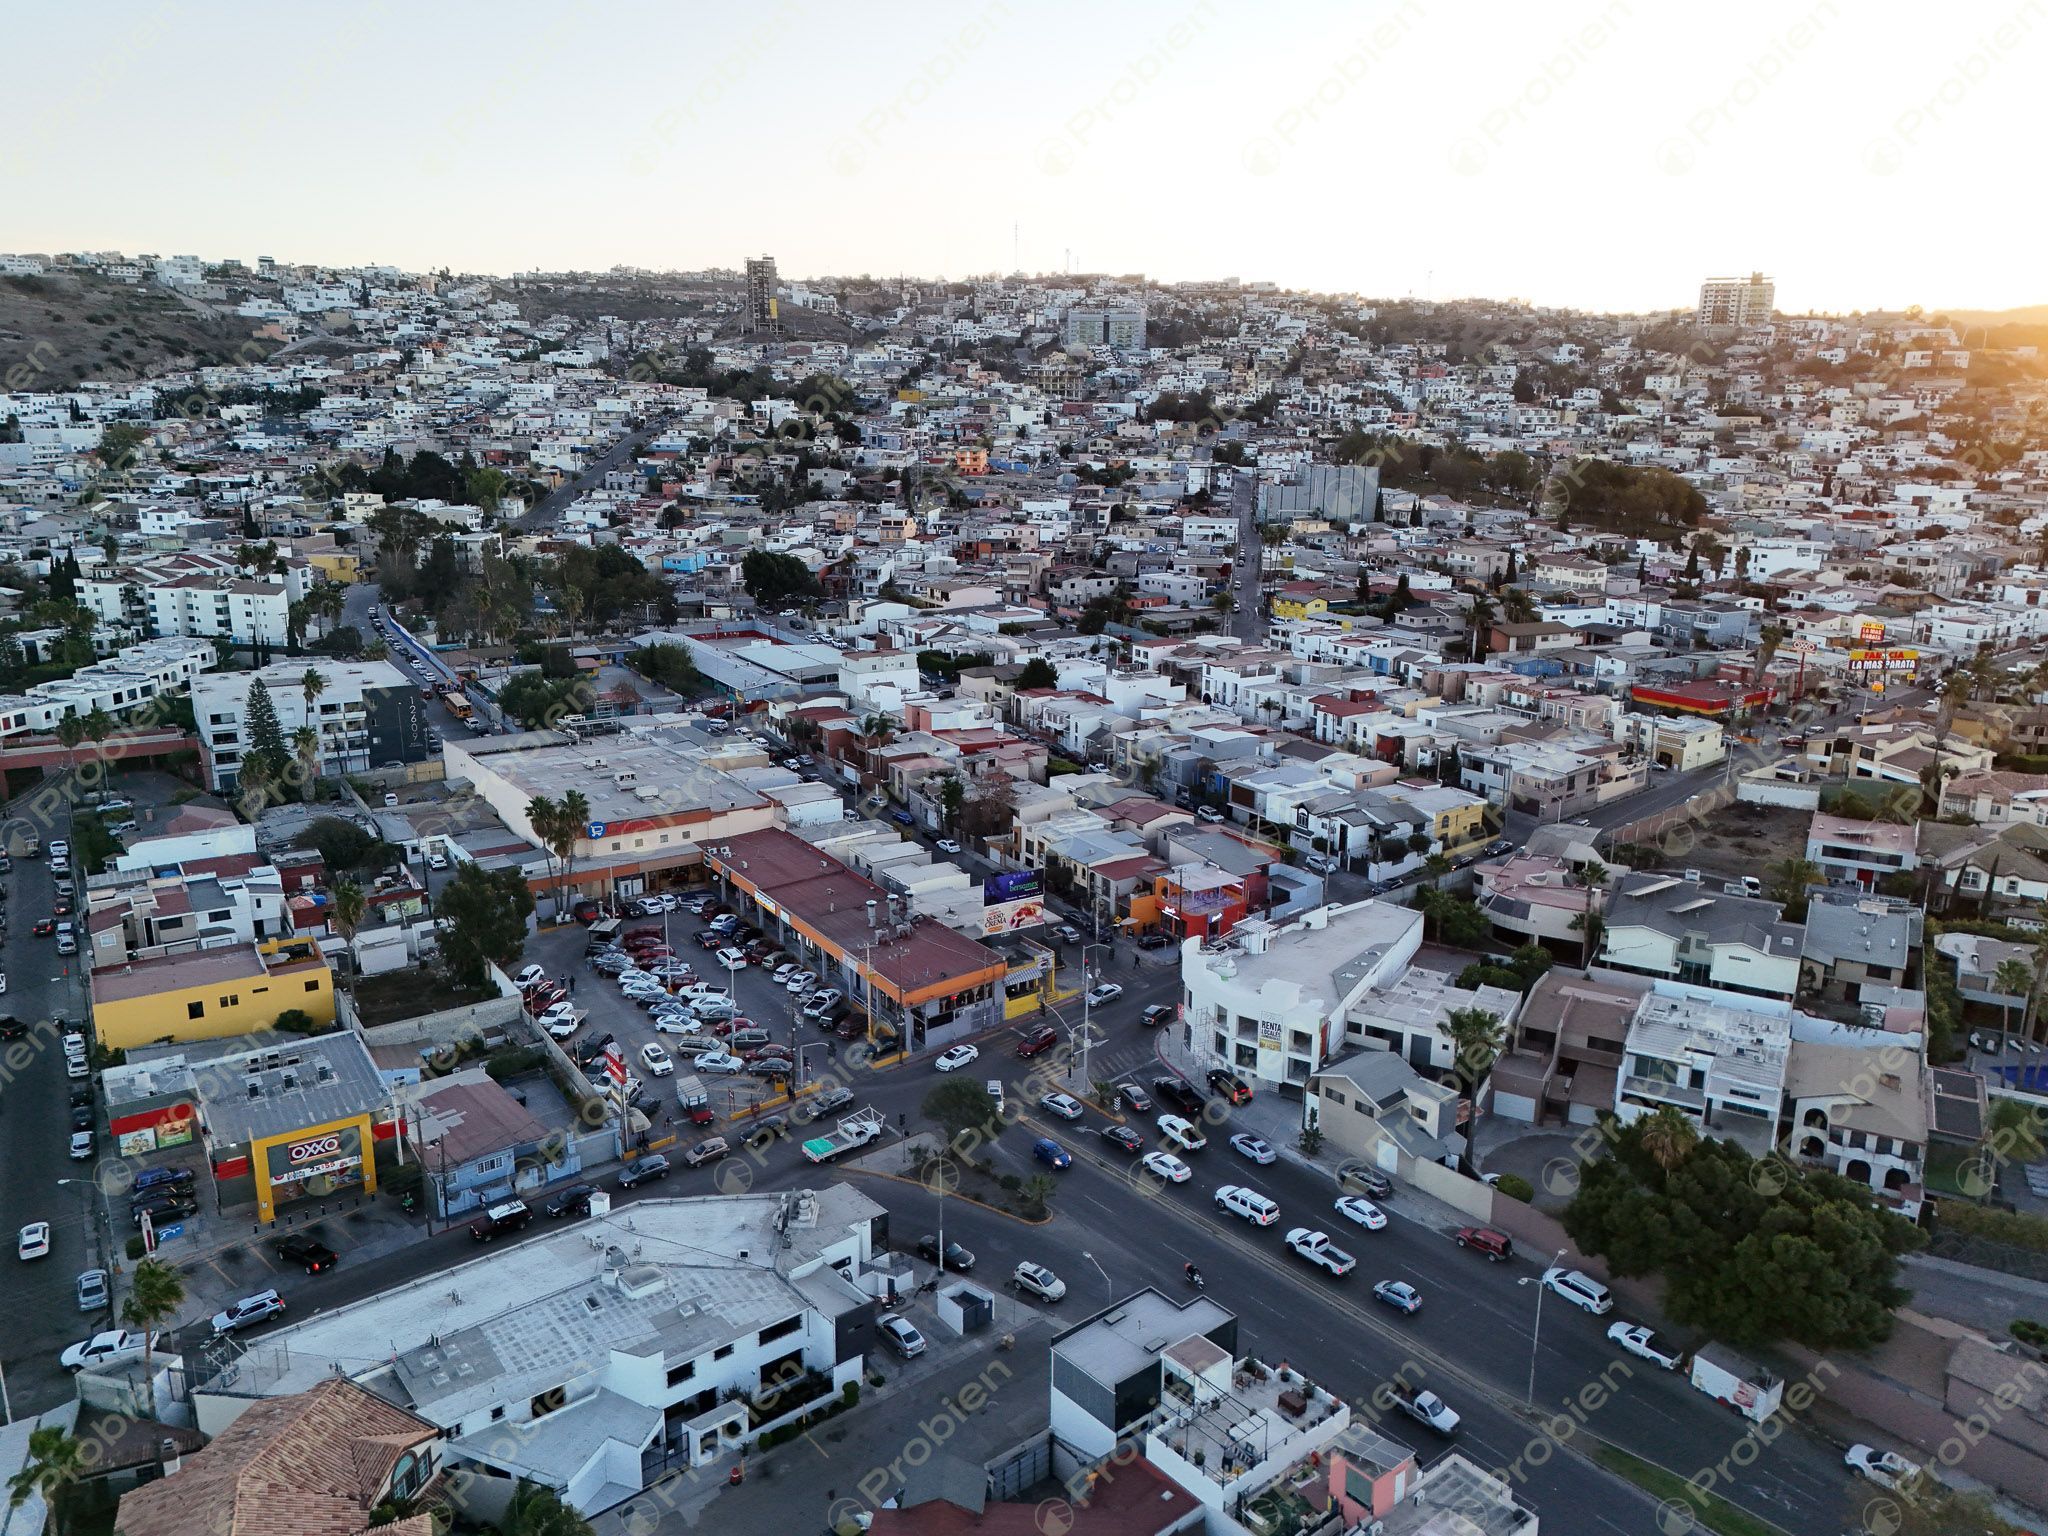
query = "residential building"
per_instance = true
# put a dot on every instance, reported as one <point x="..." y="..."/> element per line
<point x="1563" y="1059"/>
<point x="479" y="1145"/>
<point x="1120" y="327"/>
<point x="1723" y="1068"/>
<point x="1737" y="301"/>
<point x="204" y="994"/>
<point x="1845" y="849"/>
<point x="367" y="714"/>
<point x="1372" y="1105"/>
<point x="1862" y="1112"/>
<point x="1665" y="926"/>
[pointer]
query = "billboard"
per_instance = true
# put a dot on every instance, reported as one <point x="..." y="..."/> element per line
<point x="1884" y="661"/>
<point x="1015" y="886"/>
<point x="1010" y="916"/>
<point x="325" y="1156"/>
<point x="1870" y="632"/>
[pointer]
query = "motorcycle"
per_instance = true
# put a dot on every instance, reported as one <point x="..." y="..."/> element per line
<point x="1194" y="1278"/>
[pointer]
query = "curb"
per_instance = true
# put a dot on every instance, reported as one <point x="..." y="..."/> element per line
<point x="993" y="1210"/>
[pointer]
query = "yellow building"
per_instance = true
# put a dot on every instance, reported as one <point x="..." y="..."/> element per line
<point x="342" y="566"/>
<point x="1285" y="607"/>
<point x="293" y="1120"/>
<point x="206" y="995"/>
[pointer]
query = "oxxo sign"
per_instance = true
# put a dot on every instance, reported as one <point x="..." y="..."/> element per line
<point x="306" y="1151"/>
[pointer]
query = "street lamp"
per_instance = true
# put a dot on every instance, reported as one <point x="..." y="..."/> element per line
<point x="1536" y="1336"/>
<point x="1087" y="1004"/>
<point x="1108" y="1290"/>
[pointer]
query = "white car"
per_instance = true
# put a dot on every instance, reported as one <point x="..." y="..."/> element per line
<point x="554" y="1012"/>
<point x="1182" y="1134"/>
<point x="529" y="976"/>
<point x="1361" y="1210"/>
<point x="732" y="959"/>
<point x="783" y="972"/>
<point x="437" y="861"/>
<point x="800" y="980"/>
<point x="1257" y="1148"/>
<point x="718" y="1061"/>
<point x="947" y="845"/>
<point x="1887" y="1469"/>
<point x="955" y="1057"/>
<point x="656" y="1060"/>
<point x="1062" y="1105"/>
<point x="675" y="1021"/>
<point x="1641" y="1341"/>
<point x="34" y="1242"/>
<point x="249" y="1311"/>
<point x="1166" y="1166"/>
<point x="1106" y="992"/>
<point x="1037" y="1280"/>
<point x="902" y="1336"/>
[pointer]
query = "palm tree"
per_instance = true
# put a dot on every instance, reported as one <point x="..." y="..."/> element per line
<point x="1668" y="1137"/>
<point x="349" y="905"/>
<point x="306" y="746"/>
<point x="71" y="731"/>
<point x="1477" y="623"/>
<point x="1768" y="641"/>
<point x="1591" y="876"/>
<point x="1436" y="866"/>
<point x="1517" y="605"/>
<point x="98" y="725"/>
<point x="312" y="685"/>
<point x="1955" y="692"/>
<point x="55" y="1464"/>
<point x="1476" y="1039"/>
<point x="575" y="813"/>
<point x="2014" y="978"/>
<point x="1789" y="879"/>
<point x="155" y="1293"/>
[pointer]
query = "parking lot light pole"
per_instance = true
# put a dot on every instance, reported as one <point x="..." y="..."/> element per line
<point x="1088" y="975"/>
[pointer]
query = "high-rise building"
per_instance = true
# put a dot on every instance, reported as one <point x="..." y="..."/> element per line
<point x="1737" y="300"/>
<point x="1121" y="328"/>
<point x="761" y="309"/>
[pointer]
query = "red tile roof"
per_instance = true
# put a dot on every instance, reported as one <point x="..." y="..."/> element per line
<point x="1133" y="1500"/>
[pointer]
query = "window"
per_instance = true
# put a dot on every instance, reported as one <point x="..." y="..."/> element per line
<point x="722" y="1352"/>
<point x="783" y="1329"/>
<point x="312" y="986"/>
<point x="195" y="1010"/>
<point x="678" y="1374"/>
<point x="547" y="1402"/>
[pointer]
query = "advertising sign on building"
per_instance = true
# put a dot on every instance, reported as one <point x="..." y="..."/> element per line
<point x="1871" y="632"/>
<point x="1017" y="885"/>
<point x="1883" y="661"/>
<point x="1011" y="916"/>
<point x="615" y="1065"/>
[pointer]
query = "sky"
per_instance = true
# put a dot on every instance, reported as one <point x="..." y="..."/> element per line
<point x="1603" y="156"/>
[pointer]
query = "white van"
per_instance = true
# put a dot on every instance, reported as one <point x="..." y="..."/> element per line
<point x="1248" y="1203"/>
<point x="1580" y="1289"/>
<point x="995" y="1093"/>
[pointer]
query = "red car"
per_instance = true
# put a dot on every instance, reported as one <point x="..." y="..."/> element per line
<point x="1044" y="1038"/>
<point x="46" y="927"/>
<point x="767" y="1052"/>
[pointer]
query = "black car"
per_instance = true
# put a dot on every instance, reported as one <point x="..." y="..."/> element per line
<point x="592" y="1049"/>
<point x="81" y="1117"/>
<point x="1154" y="940"/>
<point x="644" y="1169"/>
<point x="1155" y="1016"/>
<point x="958" y="1259"/>
<point x="162" y="1206"/>
<point x="161" y="1178"/>
<point x="1123" y="1138"/>
<point x="1180" y="1093"/>
<point x="499" y="1220"/>
<point x="309" y="1254"/>
<point x="573" y="1201"/>
<point x="1136" y="1099"/>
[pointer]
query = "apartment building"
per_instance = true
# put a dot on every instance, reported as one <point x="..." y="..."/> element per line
<point x="368" y="714"/>
<point x="1676" y="929"/>
<point x="1721" y="1067"/>
<point x="1736" y="301"/>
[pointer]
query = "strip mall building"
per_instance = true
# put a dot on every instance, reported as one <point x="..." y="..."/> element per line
<point x="921" y="982"/>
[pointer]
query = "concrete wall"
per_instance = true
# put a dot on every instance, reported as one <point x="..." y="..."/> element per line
<point x="450" y="1025"/>
<point x="1765" y="790"/>
<point x="1452" y="1187"/>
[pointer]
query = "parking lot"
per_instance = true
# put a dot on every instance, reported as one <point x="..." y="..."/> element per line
<point x="760" y="1004"/>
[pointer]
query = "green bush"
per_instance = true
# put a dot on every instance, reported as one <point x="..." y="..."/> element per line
<point x="136" y="1248"/>
<point x="2009" y="1227"/>
<point x="1515" y="1187"/>
<point x="849" y="1395"/>
<point x="2027" y="1331"/>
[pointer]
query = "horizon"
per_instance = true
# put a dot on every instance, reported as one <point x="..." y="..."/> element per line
<point x="1604" y="159"/>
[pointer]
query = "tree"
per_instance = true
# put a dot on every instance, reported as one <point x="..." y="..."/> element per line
<point x="774" y="579"/>
<point x="575" y="814"/>
<point x="486" y="912"/>
<point x="306" y="748"/>
<point x="342" y="845"/>
<point x="54" y="1466"/>
<point x="1668" y="1137"/>
<point x="70" y="732"/>
<point x="1436" y="866"/>
<point x="960" y="1105"/>
<point x="1038" y="673"/>
<point x="1476" y="1040"/>
<point x="1787" y="881"/>
<point x="1477" y="623"/>
<point x="311" y="685"/>
<point x="670" y="666"/>
<point x="1591" y="876"/>
<point x="349" y="905"/>
<point x="537" y="1510"/>
<point x="1749" y="1255"/>
<point x="545" y="817"/>
<point x="266" y="733"/>
<point x="98" y="725"/>
<point x="155" y="1293"/>
<point x="952" y="795"/>
<point x="2014" y="978"/>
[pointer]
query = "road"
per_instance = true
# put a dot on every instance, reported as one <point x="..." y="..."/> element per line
<point x="544" y="512"/>
<point x="42" y="985"/>
<point x="1248" y="618"/>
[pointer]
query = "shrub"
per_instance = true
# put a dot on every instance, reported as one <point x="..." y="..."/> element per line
<point x="1515" y="1187"/>
<point x="2027" y="1331"/>
<point x="849" y="1395"/>
<point x="135" y="1247"/>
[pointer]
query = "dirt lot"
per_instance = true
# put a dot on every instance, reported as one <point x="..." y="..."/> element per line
<point x="1733" y="841"/>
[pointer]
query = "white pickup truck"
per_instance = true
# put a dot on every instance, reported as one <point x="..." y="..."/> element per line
<point x="1425" y="1406"/>
<point x="1317" y="1248"/>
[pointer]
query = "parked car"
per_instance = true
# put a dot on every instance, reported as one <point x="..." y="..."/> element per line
<point x="957" y="1258"/>
<point x="900" y="1335"/>
<point x="33" y="1241"/>
<point x="656" y="1060"/>
<point x="1495" y="1245"/>
<point x="1037" y="1280"/>
<point x="1154" y="940"/>
<point x="947" y="845"/>
<point x="1257" y="1148"/>
<point x="91" y="1290"/>
<point x="718" y="1061"/>
<point x="1230" y="1085"/>
<point x="1887" y="1469"/>
<point x="109" y="1348"/>
<point x="1646" y="1344"/>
